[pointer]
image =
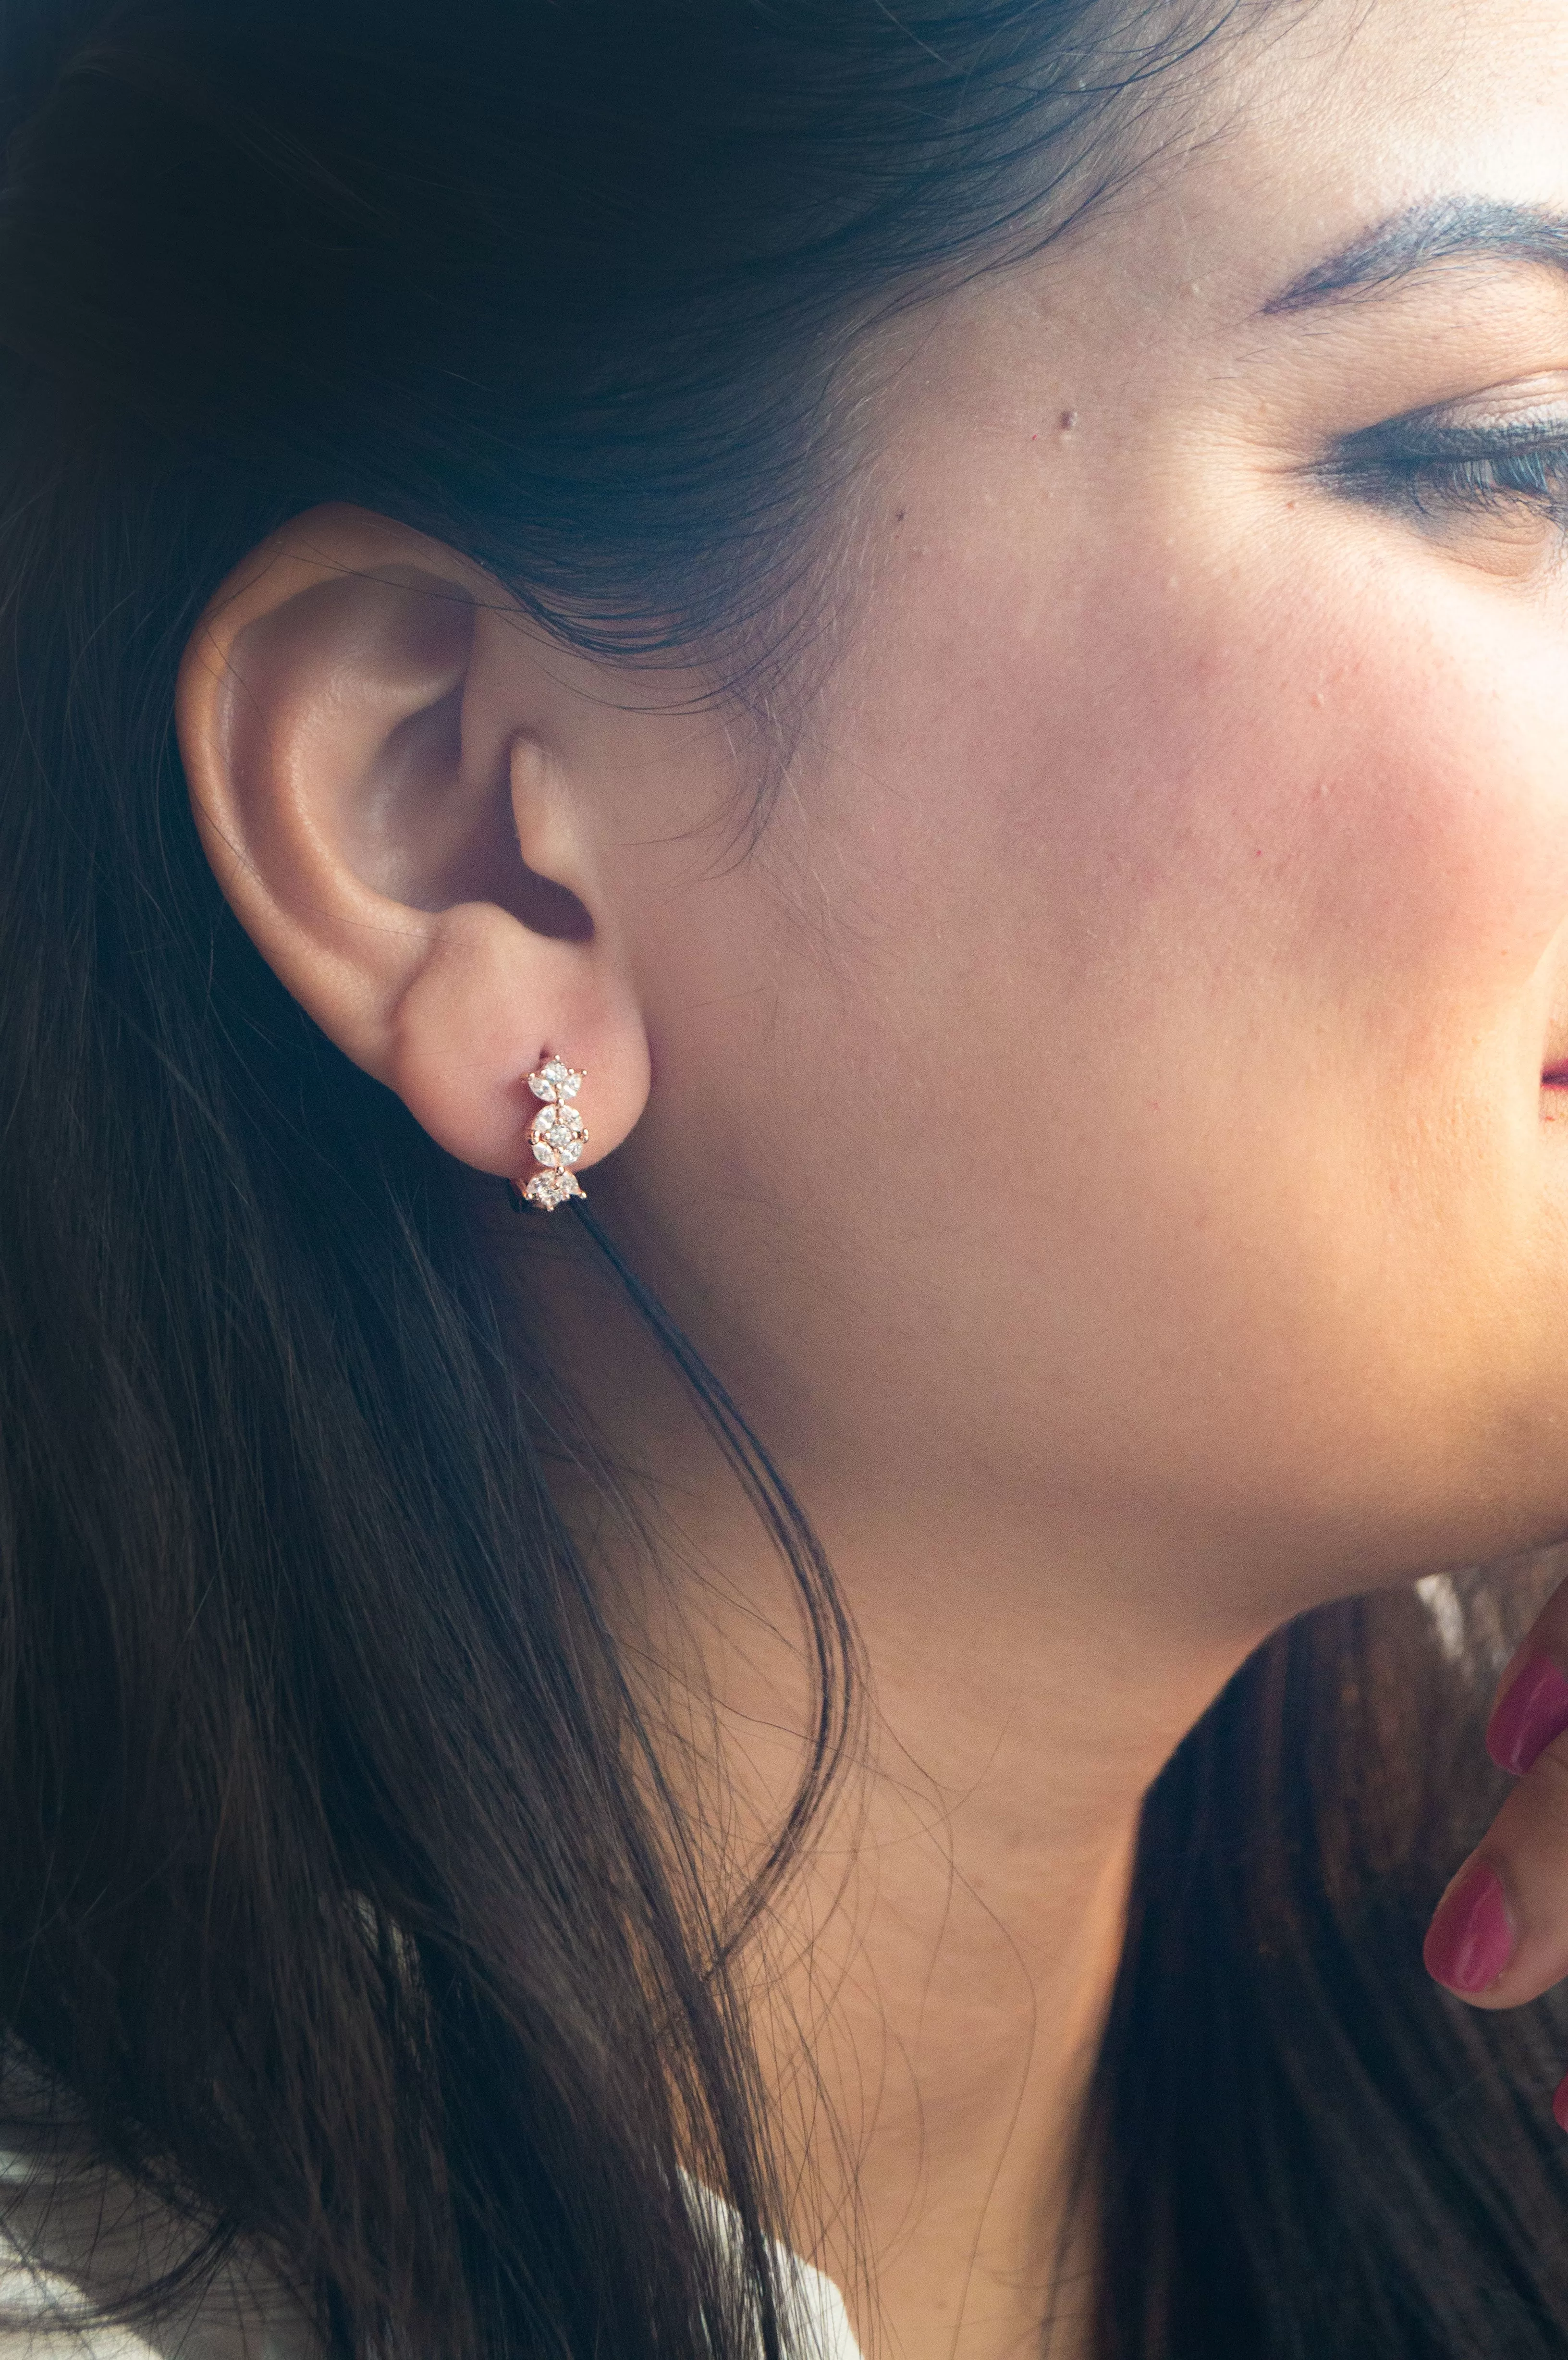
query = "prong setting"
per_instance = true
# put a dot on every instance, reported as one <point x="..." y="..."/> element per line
<point x="556" y="1135"/>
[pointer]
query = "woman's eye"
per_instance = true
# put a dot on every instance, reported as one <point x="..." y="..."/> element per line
<point x="1513" y="481"/>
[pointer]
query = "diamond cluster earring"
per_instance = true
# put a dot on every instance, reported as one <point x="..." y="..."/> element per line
<point x="557" y="1136"/>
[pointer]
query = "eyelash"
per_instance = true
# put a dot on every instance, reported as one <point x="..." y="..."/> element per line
<point x="1461" y="469"/>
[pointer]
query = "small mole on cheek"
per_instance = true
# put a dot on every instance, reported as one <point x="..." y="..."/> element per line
<point x="1068" y="421"/>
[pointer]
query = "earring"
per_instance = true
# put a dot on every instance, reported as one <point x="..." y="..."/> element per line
<point x="556" y="1135"/>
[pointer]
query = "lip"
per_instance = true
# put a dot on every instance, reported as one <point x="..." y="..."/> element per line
<point x="1555" y="1078"/>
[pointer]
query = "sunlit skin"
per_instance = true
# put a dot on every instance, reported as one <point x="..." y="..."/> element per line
<point x="1111" y="1132"/>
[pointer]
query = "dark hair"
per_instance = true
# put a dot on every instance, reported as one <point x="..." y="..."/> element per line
<point x="1300" y="2145"/>
<point x="342" y="1908"/>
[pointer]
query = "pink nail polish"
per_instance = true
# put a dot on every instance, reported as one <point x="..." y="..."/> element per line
<point x="1527" y="1716"/>
<point x="1560" y="2106"/>
<point x="1470" y="1941"/>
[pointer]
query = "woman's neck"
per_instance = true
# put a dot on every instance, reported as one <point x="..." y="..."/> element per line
<point x="930" y="1984"/>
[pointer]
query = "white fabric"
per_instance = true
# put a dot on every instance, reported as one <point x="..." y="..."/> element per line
<point x="818" y="2327"/>
<point x="240" y="2322"/>
<point x="815" y="2320"/>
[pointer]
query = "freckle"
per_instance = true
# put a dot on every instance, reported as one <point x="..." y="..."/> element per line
<point x="1068" y="421"/>
<point x="901" y="515"/>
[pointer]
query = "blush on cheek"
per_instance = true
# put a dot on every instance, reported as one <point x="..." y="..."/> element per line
<point x="1413" y="797"/>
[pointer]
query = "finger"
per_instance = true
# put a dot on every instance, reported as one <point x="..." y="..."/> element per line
<point x="1531" y="1703"/>
<point x="1499" y="1936"/>
<point x="1500" y="1933"/>
<point x="1532" y="1698"/>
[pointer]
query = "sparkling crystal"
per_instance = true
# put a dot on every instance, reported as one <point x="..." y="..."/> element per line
<point x="548" y="1189"/>
<point x="555" y="1080"/>
<point x="557" y="1135"/>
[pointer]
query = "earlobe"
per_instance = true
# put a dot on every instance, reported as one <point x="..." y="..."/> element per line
<point x="364" y="729"/>
<point x="459" y="1056"/>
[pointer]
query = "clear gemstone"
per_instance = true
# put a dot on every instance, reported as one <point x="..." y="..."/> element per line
<point x="555" y="1080"/>
<point x="548" y="1189"/>
<point x="557" y="1135"/>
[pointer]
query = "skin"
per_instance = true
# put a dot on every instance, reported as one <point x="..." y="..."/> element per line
<point x="1099" y="1132"/>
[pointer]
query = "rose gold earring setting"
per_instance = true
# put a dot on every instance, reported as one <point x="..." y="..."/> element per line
<point x="556" y="1135"/>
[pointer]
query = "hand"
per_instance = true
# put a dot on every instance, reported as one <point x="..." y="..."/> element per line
<point x="1500" y="1933"/>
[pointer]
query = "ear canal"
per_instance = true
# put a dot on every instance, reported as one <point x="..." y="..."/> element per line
<point x="547" y="908"/>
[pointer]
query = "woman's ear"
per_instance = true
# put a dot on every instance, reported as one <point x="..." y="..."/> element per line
<point x="387" y="783"/>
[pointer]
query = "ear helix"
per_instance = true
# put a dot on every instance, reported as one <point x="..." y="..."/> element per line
<point x="557" y="1137"/>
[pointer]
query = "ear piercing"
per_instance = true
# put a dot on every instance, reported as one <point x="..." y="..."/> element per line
<point x="556" y="1135"/>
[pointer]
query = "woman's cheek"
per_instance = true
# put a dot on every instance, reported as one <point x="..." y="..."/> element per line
<point x="1312" y="790"/>
<point x="1368" y="778"/>
<point x="1228" y="896"/>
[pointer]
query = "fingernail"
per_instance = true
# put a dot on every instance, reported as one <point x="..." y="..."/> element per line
<point x="1560" y="2104"/>
<point x="1470" y="1941"/>
<point x="1534" y="1711"/>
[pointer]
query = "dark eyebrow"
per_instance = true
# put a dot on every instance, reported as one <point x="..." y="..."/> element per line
<point x="1459" y="229"/>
